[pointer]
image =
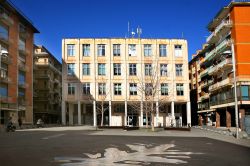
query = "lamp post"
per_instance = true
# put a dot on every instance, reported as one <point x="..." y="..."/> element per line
<point x="235" y="91"/>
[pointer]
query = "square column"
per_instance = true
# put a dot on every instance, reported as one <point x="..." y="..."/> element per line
<point x="71" y="113"/>
<point x="79" y="113"/>
<point x="126" y="113"/>
<point x="188" y="114"/>
<point x="157" y="113"/>
<point x="94" y="113"/>
<point x="110" y="113"/>
<point x="172" y="114"/>
<point x="63" y="113"/>
<point x="217" y="119"/>
<point x="228" y="119"/>
<point x="141" y="106"/>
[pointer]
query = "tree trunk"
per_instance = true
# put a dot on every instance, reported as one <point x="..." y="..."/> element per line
<point x="146" y="119"/>
<point x="152" y="121"/>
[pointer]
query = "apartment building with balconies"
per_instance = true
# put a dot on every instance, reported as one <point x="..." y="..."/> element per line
<point x="16" y="55"/>
<point x="120" y="74"/>
<point x="229" y="40"/>
<point x="47" y="86"/>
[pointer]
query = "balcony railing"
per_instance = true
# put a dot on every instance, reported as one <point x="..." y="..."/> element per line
<point x="6" y="18"/>
<point x="221" y="84"/>
<point x="212" y="52"/>
<point x="204" y="72"/>
<point x="205" y="96"/>
<point x="222" y="25"/>
<point x="210" y="37"/>
<point x="219" y="66"/>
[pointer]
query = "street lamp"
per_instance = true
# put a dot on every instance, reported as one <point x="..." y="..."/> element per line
<point x="5" y="53"/>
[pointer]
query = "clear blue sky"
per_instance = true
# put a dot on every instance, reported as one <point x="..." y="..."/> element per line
<point x="57" y="19"/>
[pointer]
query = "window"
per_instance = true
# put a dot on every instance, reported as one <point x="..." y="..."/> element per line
<point x="70" y="49"/>
<point x="85" y="69"/>
<point x="163" y="50"/>
<point x="117" y="69"/>
<point x="245" y="92"/>
<point x="4" y="32"/>
<point x="164" y="70"/>
<point x="132" y="69"/>
<point x="116" y="49"/>
<point x="101" y="69"/>
<point x="21" y="95"/>
<point x="4" y="70"/>
<point x="148" y="89"/>
<point x="164" y="89"/>
<point x="86" y="49"/>
<point x="4" y="90"/>
<point x="132" y="50"/>
<point x="148" y="69"/>
<point x="118" y="89"/>
<point x="101" y="49"/>
<point x="71" y="89"/>
<point x="86" y="88"/>
<point x="21" y="78"/>
<point x="179" y="89"/>
<point x="21" y="44"/>
<point x="102" y="89"/>
<point x="178" y="70"/>
<point x="178" y="50"/>
<point x="133" y="89"/>
<point x="71" y="69"/>
<point x="147" y="50"/>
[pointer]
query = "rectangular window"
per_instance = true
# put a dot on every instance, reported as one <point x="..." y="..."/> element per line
<point x="178" y="70"/>
<point x="148" y="89"/>
<point x="86" y="88"/>
<point x="245" y="92"/>
<point x="164" y="70"/>
<point x="132" y="50"/>
<point x="4" y="32"/>
<point x="178" y="50"/>
<point x="148" y="69"/>
<point x="164" y="89"/>
<point x="118" y="89"/>
<point x="71" y="69"/>
<point x="70" y="49"/>
<point x="85" y="69"/>
<point x="101" y="49"/>
<point x="101" y="88"/>
<point x="116" y="49"/>
<point x="179" y="89"/>
<point x="133" y="89"/>
<point x="71" y="89"/>
<point x="86" y="49"/>
<point x="4" y="90"/>
<point x="147" y="50"/>
<point x="163" y="50"/>
<point x="132" y="69"/>
<point x="117" y="69"/>
<point x="21" y="44"/>
<point x="4" y="70"/>
<point x="101" y="69"/>
<point x="21" y="78"/>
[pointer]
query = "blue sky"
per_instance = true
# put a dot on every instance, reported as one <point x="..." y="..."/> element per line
<point x="57" y="19"/>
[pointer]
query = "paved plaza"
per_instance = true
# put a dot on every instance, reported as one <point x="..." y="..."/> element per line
<point x="76" y="146"/>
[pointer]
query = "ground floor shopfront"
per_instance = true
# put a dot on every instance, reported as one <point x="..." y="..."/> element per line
<point x="125" y="114"/>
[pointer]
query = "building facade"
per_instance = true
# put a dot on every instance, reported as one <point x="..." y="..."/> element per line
<point x="16" y="43"/>
<point x="118" y="75"/>
<point x="212" y="68"/>
<point x="47" y="86"/>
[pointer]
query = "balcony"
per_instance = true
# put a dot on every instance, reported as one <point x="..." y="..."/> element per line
<point x="225" y="63"/>
<point x="204" y="72"/>
<point x="23" y="33"/>
<point x="5" y="79"/>
<point x="45" y="76"/>
<point x="6" y="59"/>
<point x="221" y="84"/>
<point x="223" y="27"/>
<point x="21" y="85"/>
<point x="210" y="54"/>
<point x="4" y="17"/>
<point x="22" y="66"/>
<point x="204" y="96"/>
<point x="4" y="39"/>
<point x="23" y="51"/>
<point x="223" y="45"/>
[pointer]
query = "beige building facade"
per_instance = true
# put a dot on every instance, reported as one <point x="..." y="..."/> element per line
<point x="117" y="73"/>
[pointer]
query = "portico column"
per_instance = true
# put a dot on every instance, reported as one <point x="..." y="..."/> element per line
<point x="79" y="113"/>
<point x="188" y="114"/>
<point x="71" y="112"/>
<point x="110" y="113"/>
<point x="141" y="122"/>
<point x="126" y="113"/>
<point x="63" y="113"/>
<point x="157" y="114"/>
<point x="172" y="114"/>
<point x="94" y="113"/>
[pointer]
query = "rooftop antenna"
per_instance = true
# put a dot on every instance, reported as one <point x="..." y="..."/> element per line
<point x="182" y="35"/>
<point x="132" y="33"/>
<point x="128" y="29"/>
<point x="139" y="31"/>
